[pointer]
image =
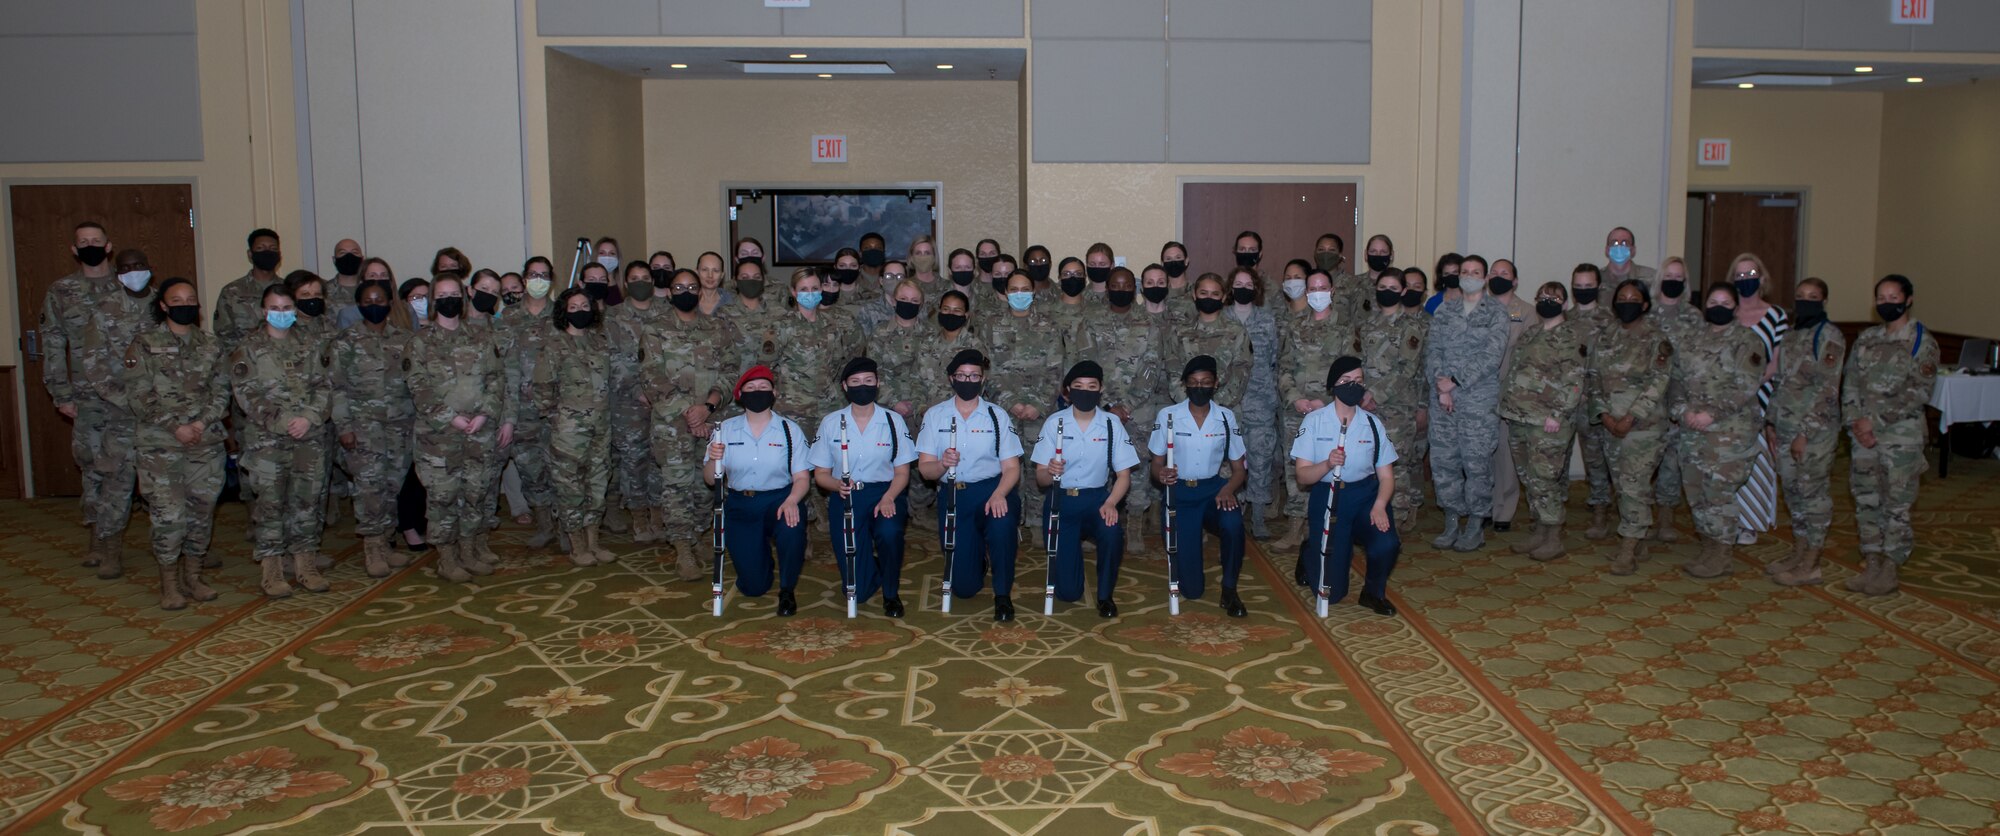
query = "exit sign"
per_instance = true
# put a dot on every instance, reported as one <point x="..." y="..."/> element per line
<point x="830" y="149"/>
<point x="1918" y="12"/>
<point x="1712" y="152"/>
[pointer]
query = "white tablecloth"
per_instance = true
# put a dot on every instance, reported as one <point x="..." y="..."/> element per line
<point x="1963" y="398"/>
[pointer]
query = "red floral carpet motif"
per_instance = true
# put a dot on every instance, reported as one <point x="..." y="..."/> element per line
<point x="1207" y="635"/>
<point x="403" y="647"/>
<point x="1271" y="763"/>
<point x="189" y="798"/>
<point x="804" y="641"/>
<point x="755" y="777"/>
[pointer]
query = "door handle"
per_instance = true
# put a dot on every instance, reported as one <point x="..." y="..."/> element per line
<point x="31" y="345"/>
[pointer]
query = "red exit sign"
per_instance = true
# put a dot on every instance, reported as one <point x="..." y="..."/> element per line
<point x="1912" y="11"/>
<point x="1712" y="152"/>
<point x="829" y="149"/>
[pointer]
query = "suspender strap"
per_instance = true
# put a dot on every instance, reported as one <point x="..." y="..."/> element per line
<point x="895" y="443"/>
<point x="787" y="426"/>
<point x="1227" y="437"/>
<point x="1110" y="439"/>
<point x="1375" y="432"/>
<point x="993" y="416"/>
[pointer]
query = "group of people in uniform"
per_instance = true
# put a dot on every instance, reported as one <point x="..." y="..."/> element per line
<point x="676" y="398"/>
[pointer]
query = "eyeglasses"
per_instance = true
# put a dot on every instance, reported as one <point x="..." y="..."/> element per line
<point x="1752" y="274"/>
<point x="538" y="275"/>
<point x="892" y="277"/>
<point x="967" y="378"/>
<point x="689" y="288"/>
<point x="1071" y="274"/>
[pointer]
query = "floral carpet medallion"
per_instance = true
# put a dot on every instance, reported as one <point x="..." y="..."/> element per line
<point x="266" y="781"/>
<point x="767" y="775"/>
<point x="541" y="703"/>
<point x="1274" y="768"/>
<point x="803" y="646"/>
<point x="1207" y="638"/>
<point x="375" y="652"/>
<point x="967" y="695"/>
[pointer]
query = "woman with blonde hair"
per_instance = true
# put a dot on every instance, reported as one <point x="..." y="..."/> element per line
<point x="1757" y="500"/>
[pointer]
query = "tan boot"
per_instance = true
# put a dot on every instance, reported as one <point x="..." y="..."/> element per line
<point x="1626" y="561"/>
<point x="545" y="528"/>
<point x="1293" y="535"/>
<point x="1880" y="577"/>
<point x="306" y="571"/>
<point x="375" y="555"/>
<point x="616" y="520"/>
<point x="474" y="556"/>
<point x="93" y="553"/>
<point x="110" y="558"/>
<point x="190" y="580"/>
<point x="593" y="544"/>
<point x="685" y="564"/>
<point x="1552" y="544"/>
<point x="1803" y="571"/>
<point x="1533" y="542"/>
<point x="170" y="588"/>
<point x="1600" y="523"/>
<point x="1663" y="525"/>
<point x="1718" y="558"/>
<point x="578" y="554"/>
<point x="645" y="525"/>
<point x="1786" y="563"/>
<point x="448" y="567"/>
<point x="273" y="584"/>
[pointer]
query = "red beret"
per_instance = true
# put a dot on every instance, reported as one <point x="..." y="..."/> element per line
<point x="755" y="373"/>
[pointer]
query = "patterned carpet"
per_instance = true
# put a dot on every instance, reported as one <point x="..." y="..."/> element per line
<point x="1512" y="697"/>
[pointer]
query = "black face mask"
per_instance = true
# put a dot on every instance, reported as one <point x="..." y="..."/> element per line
<point x="1412" y="298"/>
<point x="1038" y="272"/>
<point x="1247" y="259"/>
<point x="662" y="277"/>
<point x="862" y="395"/>
<point x="1120" y="298"/>
<point x="582" y="319"/>
<point x="1097" y="275"/>
<point x="1673" y="288"/>
<point x="265" y="260"/>
<point x="873" y="258"/>
<point x="684" y="301"/>
<point x="1085" y="400"/>
<point x="1892" y="311"/>
<point x="1378" y="263"/>
<point x="186" y="314"/>
<point x="450" y="307"/>
<point x="1585" y="295"/>
<point x="951" y="321"/>
<point x="1243" y="295"/>
<point x="1386" y="299"/>
<point x="846" y="276"/>
<point x="597" y="290"/>
<point x="1208" y="306"/>
<point x="347" y="264"/>
<point x="1499" y="285"/>
<point x="961" y="277"/>
<point x="1155" y="295"/>
<point x="909" y="310"/>
<point x="375" y="314"/>
<point x="312" y="307"/>
<point x="829" y="297"/>
<point x="1072" y="286"/>
<point x="1350" y="393"/>
<point x="484" y="302"/>
<point x="1628" y="312"/>
<point x="1748" y="287"/>
<point x="750" y="288"/>
<point x="1200" y="395"/>
<point x="512" y="297"/>
<point x="1000" y="284"/>
<point x="759" y="401"/>
<point x="1720" y="314"/>
<point x="1548" y="308"/>
<point x="1448" y="281"/>
<point x="967" y="390"/>
<point x="1175" y="269"/>
<point x="986" y="263"/>
<point x="1809" y="312"/>
<point x="93" y="256"/>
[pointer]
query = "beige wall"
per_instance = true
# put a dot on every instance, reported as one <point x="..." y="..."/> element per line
<point x="597" y="155"/>
<point x="1828" y="145"/>
<point x="700" y="134"/>
<point x="1940" y="176"/>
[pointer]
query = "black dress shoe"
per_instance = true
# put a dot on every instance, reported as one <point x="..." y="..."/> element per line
<point x="892" y="607"/>
<point x="1299" y="573"/>
<point x="787" y="604"/>
<point x="1503" y="527"/>
<point x="1232" y="604"/>
<point x="1106" y="609"/>
<point x="1003" y="608"/>
<point x="1379" y="606"/>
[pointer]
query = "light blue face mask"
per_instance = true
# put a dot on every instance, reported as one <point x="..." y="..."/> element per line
<point x="1620" y="253"/>
<point x="281" y="320"/>
<point x="1020" y="300"/>
<point x="809" y="299"/>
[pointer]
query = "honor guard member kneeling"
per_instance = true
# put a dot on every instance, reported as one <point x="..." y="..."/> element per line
<point x="1207" y="439"/>
<point x="1084" y="459"/>
<point x="862" y="459"/>
<point x="764" y="467"/>
<point x="1342" y="449"/>
<point x="970" y="446"/>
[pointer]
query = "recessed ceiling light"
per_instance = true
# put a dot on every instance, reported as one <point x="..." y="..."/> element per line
<point x="1745" y="86"/>
<point x="796" y="55"/>
<point x="1864" y="69"/>
<point x="826" y="75"/>
<point x="678" y="66"/>
<point x="1915" y="79"/>
<point x="944" y="66"/>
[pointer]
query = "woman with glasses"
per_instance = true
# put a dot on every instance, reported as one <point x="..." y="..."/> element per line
<point x="1757" y="501"/>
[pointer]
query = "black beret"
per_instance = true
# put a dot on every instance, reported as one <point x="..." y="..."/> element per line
<point x="857" y="366"/>
<point x="1200" y="363"/>
<point x="1341" y="366"/>
<point x="1086" y="368"/>
<point x="966" y="357"/>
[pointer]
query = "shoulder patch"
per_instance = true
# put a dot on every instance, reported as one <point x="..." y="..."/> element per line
<point x="1930" y="369"/>
<point x="406" y="364"/>
<point x="1413" y="341"/>
<point x="241" y="369"/>
<point x="1756" y="359"/>
<point x="132" y="354"/>
<point x="1831" y="359"/>
<point x="1582" y="350"/>
<point x="326" y="359"/>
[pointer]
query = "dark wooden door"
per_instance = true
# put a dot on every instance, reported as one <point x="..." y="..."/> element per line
<point x="157" y="218"/>
<point x="1765" y="223"/>
<point x="1289" y="217"/>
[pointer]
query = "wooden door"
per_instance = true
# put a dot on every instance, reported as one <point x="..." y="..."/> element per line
<point x="157" y="218"/>
<point x="1765" y="223"/>
<point x="1289" y="217"/>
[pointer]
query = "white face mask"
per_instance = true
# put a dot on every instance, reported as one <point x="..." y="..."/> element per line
<point x="136" y="280"/>
<point x="610" y="262"/>
<point x="1319" y="300"/>
<point x="538" y="288"/>
<point x="421" y="306"/>
<point x="1294" y="288"/>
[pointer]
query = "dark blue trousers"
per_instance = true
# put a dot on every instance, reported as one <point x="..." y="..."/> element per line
<point x="981" y="538"/>
<point x="752" y="529"/>
<point x="1081" y="519"/>
<point x="1351" y="528"/>
<point x="1194" y="513"/>
<point x="878" y="543"/>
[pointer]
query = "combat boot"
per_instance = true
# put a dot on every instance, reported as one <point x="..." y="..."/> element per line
<point x="1533" y="541"/>
<point x="307" y="573"/>
<point x="1663" y="525"/>
<point x="577" y="553"/>
<point x="545" y="528"/>
<point x="1626" y="561"/>
<point x="616" y="520"/>
<point x="686" y="567"/>
<point x="1471" y="537"/>
<point x="110" y="557"/>
<point x="374" y="555"/>
<point x="190" y="579"/>
<point x="1788" y="562"/>
<point x="448" y="567"/>
<point x="1450" y="535"/>
<point x="1258" y="528"/>
<point x="273" y="583"/>
<point x="595" y="546"/>
<point x="1802" y="572"/>
<point x="1293" y="536"/>
<point x="170" y="588"/>
<point x="1717" y="559"/>
<point x="1600" y="523"/>
<point x="646" y="525"/>
<point x="1879" y="579"/>
<point x="473" y="555"/>
<point x="1552" y="544"/>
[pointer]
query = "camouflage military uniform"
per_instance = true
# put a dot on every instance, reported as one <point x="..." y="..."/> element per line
<point x="1628" y="375"/>
<point x="1391" y="349"/>
<point x="1719" y="374"/>
<point x="456" y="372"/>
<point x="1228" y="342"/>
<point x="758" y="330"/>
<point x="522" y="335"/>
<point x="1259" y="408"/>
<point x="114" y="318"/>
<point x="239" y="310"/>
<point x="276" y="380"/>
<point x="572" y="386"/>
<point x="65" y="315"/>
<point x="1806" y="404"/>
<point x="638" y="474"/>
<point x="1127" y="346"/>
<point x="1353" y="297"/>
<point x="371" y="399"/>
<point x="683" y="362"/>
<point x="1673" y="320"/>
<point x="172" y="381"/>
<point x="1889" y="379"/>
<point x="1545" y="381"/>
<point x="1590" y="434"/>
<point x="1466" y="346"/>
<point x="1027" y="354"/>
<point x="339" y="297"/>
<point x="808" y="358"/>
<point x="1308" y="348"/>
<point x="1506" y="479"/>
